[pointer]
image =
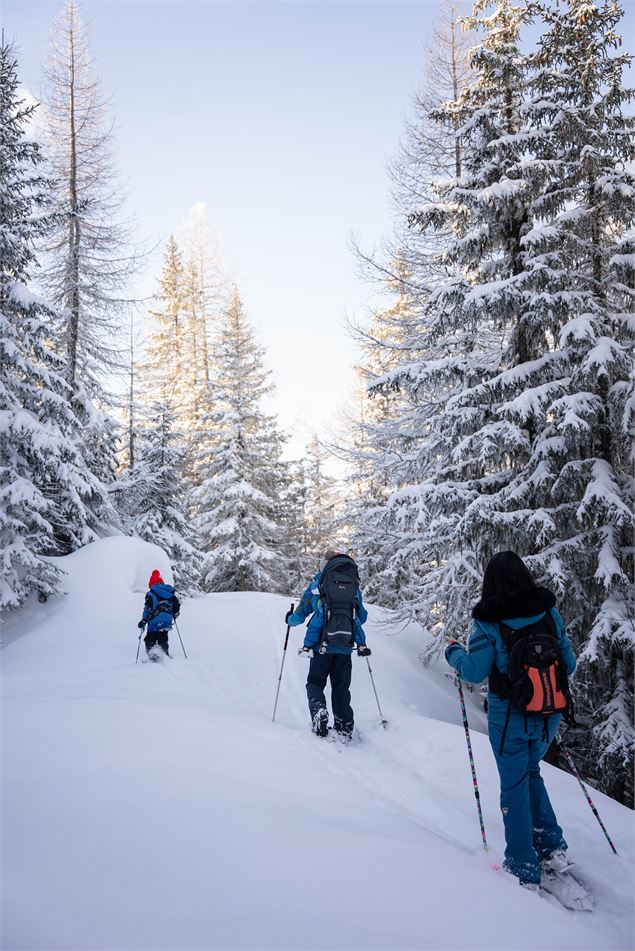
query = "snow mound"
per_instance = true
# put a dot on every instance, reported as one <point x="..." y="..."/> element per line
<point x="117" y="561"/>
<point x="156" y="806"/>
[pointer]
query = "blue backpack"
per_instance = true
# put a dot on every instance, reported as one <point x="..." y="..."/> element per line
<point x="161" y="614"/>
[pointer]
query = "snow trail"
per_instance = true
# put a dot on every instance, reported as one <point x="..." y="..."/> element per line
<point x="156" y="806"/>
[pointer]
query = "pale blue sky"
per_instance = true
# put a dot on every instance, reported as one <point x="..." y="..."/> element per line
<point x="280" y="117"/>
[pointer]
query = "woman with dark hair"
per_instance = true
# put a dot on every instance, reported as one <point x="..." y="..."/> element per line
<point x="519" y="640"/>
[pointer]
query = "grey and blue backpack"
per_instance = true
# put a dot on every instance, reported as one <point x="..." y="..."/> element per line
<point x="338" y="587"/>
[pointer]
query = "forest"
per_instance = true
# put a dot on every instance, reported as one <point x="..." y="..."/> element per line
<point x="496" y="400"/>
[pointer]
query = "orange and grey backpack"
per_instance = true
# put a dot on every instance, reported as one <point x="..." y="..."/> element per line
<point x="536" y="682"/>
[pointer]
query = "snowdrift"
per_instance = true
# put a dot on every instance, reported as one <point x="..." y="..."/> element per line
<point x="156" y="806"/>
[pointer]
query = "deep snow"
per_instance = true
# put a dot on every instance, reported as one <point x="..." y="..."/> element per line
<point x="156" y="806"/>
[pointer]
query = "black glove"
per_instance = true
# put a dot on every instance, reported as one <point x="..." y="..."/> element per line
<point x="308" y="651"/>
<point x="141" y="625"/>
<point x="363" y="651"/>
<point x="287" y="616"/>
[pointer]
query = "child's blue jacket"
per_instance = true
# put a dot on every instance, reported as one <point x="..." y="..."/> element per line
<point x="160" y="594"/>
<point x="310" y="603"/>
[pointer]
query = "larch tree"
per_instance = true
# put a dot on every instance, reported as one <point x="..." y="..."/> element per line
<point x="88" y="259"/>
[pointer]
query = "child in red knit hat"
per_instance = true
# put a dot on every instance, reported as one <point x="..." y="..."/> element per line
<point x="161" y="608"/>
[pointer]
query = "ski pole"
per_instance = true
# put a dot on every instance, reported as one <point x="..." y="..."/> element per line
<point x="574" y="770"/>
<point x="284" y="654"/>
<point x="471" y="755"/>
<point x="384" y="723"/>
<point x="138" y="646"/>
<point x="180" y="638"/>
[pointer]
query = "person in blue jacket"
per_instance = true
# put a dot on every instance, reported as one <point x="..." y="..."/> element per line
<point x="519" y="742"/>
<point x="160" y="608"/>
<point x="335" y="663"/>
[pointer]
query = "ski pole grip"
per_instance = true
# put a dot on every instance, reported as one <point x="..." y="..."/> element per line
<point x="286" y="640"/>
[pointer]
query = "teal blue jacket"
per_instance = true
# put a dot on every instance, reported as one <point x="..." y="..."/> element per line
<point x="310" y="604"/>
<point x="485" y="648"/>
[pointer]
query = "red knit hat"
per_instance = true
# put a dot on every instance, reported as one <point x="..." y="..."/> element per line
<point x="155" y="578"/>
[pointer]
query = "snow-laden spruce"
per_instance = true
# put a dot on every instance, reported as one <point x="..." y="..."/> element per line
<point x="571" y="499"/>
<point x="522" y="390"/>
<point x="50" y="503"/>
<point x="237" y="506"/>
<point x="381" y="442"/>
<point x="457" y="441"/>
<point x="159" y="495"/>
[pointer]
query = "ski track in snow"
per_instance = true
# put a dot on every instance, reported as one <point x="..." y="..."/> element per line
<point x="156" y="806"/>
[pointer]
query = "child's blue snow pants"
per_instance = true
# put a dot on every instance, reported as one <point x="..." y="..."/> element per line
<point x="532" y="832"/>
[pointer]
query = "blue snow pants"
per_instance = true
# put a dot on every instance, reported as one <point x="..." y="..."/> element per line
<point x="339" y="668"/>
<point x="532" y="832"/>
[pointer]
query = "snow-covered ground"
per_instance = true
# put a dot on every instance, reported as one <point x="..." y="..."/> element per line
<point x="155" y="806"/>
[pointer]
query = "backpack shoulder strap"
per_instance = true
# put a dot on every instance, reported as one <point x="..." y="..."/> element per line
<point x="551" y="624"/>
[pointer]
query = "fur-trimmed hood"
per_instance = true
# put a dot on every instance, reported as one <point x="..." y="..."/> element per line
<point x="521" y="604"/>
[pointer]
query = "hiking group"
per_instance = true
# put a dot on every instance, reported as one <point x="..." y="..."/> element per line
<point x="518" y="641"/>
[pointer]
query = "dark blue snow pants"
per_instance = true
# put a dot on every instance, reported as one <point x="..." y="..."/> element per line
<point x="157" y="637"/>
<point x="532" y="832"/>
<point x="339" y="668"/>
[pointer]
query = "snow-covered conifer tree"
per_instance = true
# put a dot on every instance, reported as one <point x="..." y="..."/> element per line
<point x="523" y="390"/>
<point x="130" y="486"/>
<point x="160" y="497"/>
<point x="166" y="368"/>
<point x="323" y="509"/>
<point x="302" y="561"/>
<point x="381" y="440"/>
<point x="238" y="508"/>
<point x="457" y="440"/>
<point x="49" y="502"/>
<point x="206" y="287"/>
<point x="397" y="419"/>
<point x="569" y="505"/>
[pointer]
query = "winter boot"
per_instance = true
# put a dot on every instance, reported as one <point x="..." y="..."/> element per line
<point x="344" y="731"/>
<point x="321" y="722"/>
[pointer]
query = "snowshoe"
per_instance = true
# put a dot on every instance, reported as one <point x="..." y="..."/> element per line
<point x="156" y="655"/>
<point x="568" y="890"/>
<point x="321" y="723"/>
<point x="558" y="861"/>
<point x="530" y="886"/>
